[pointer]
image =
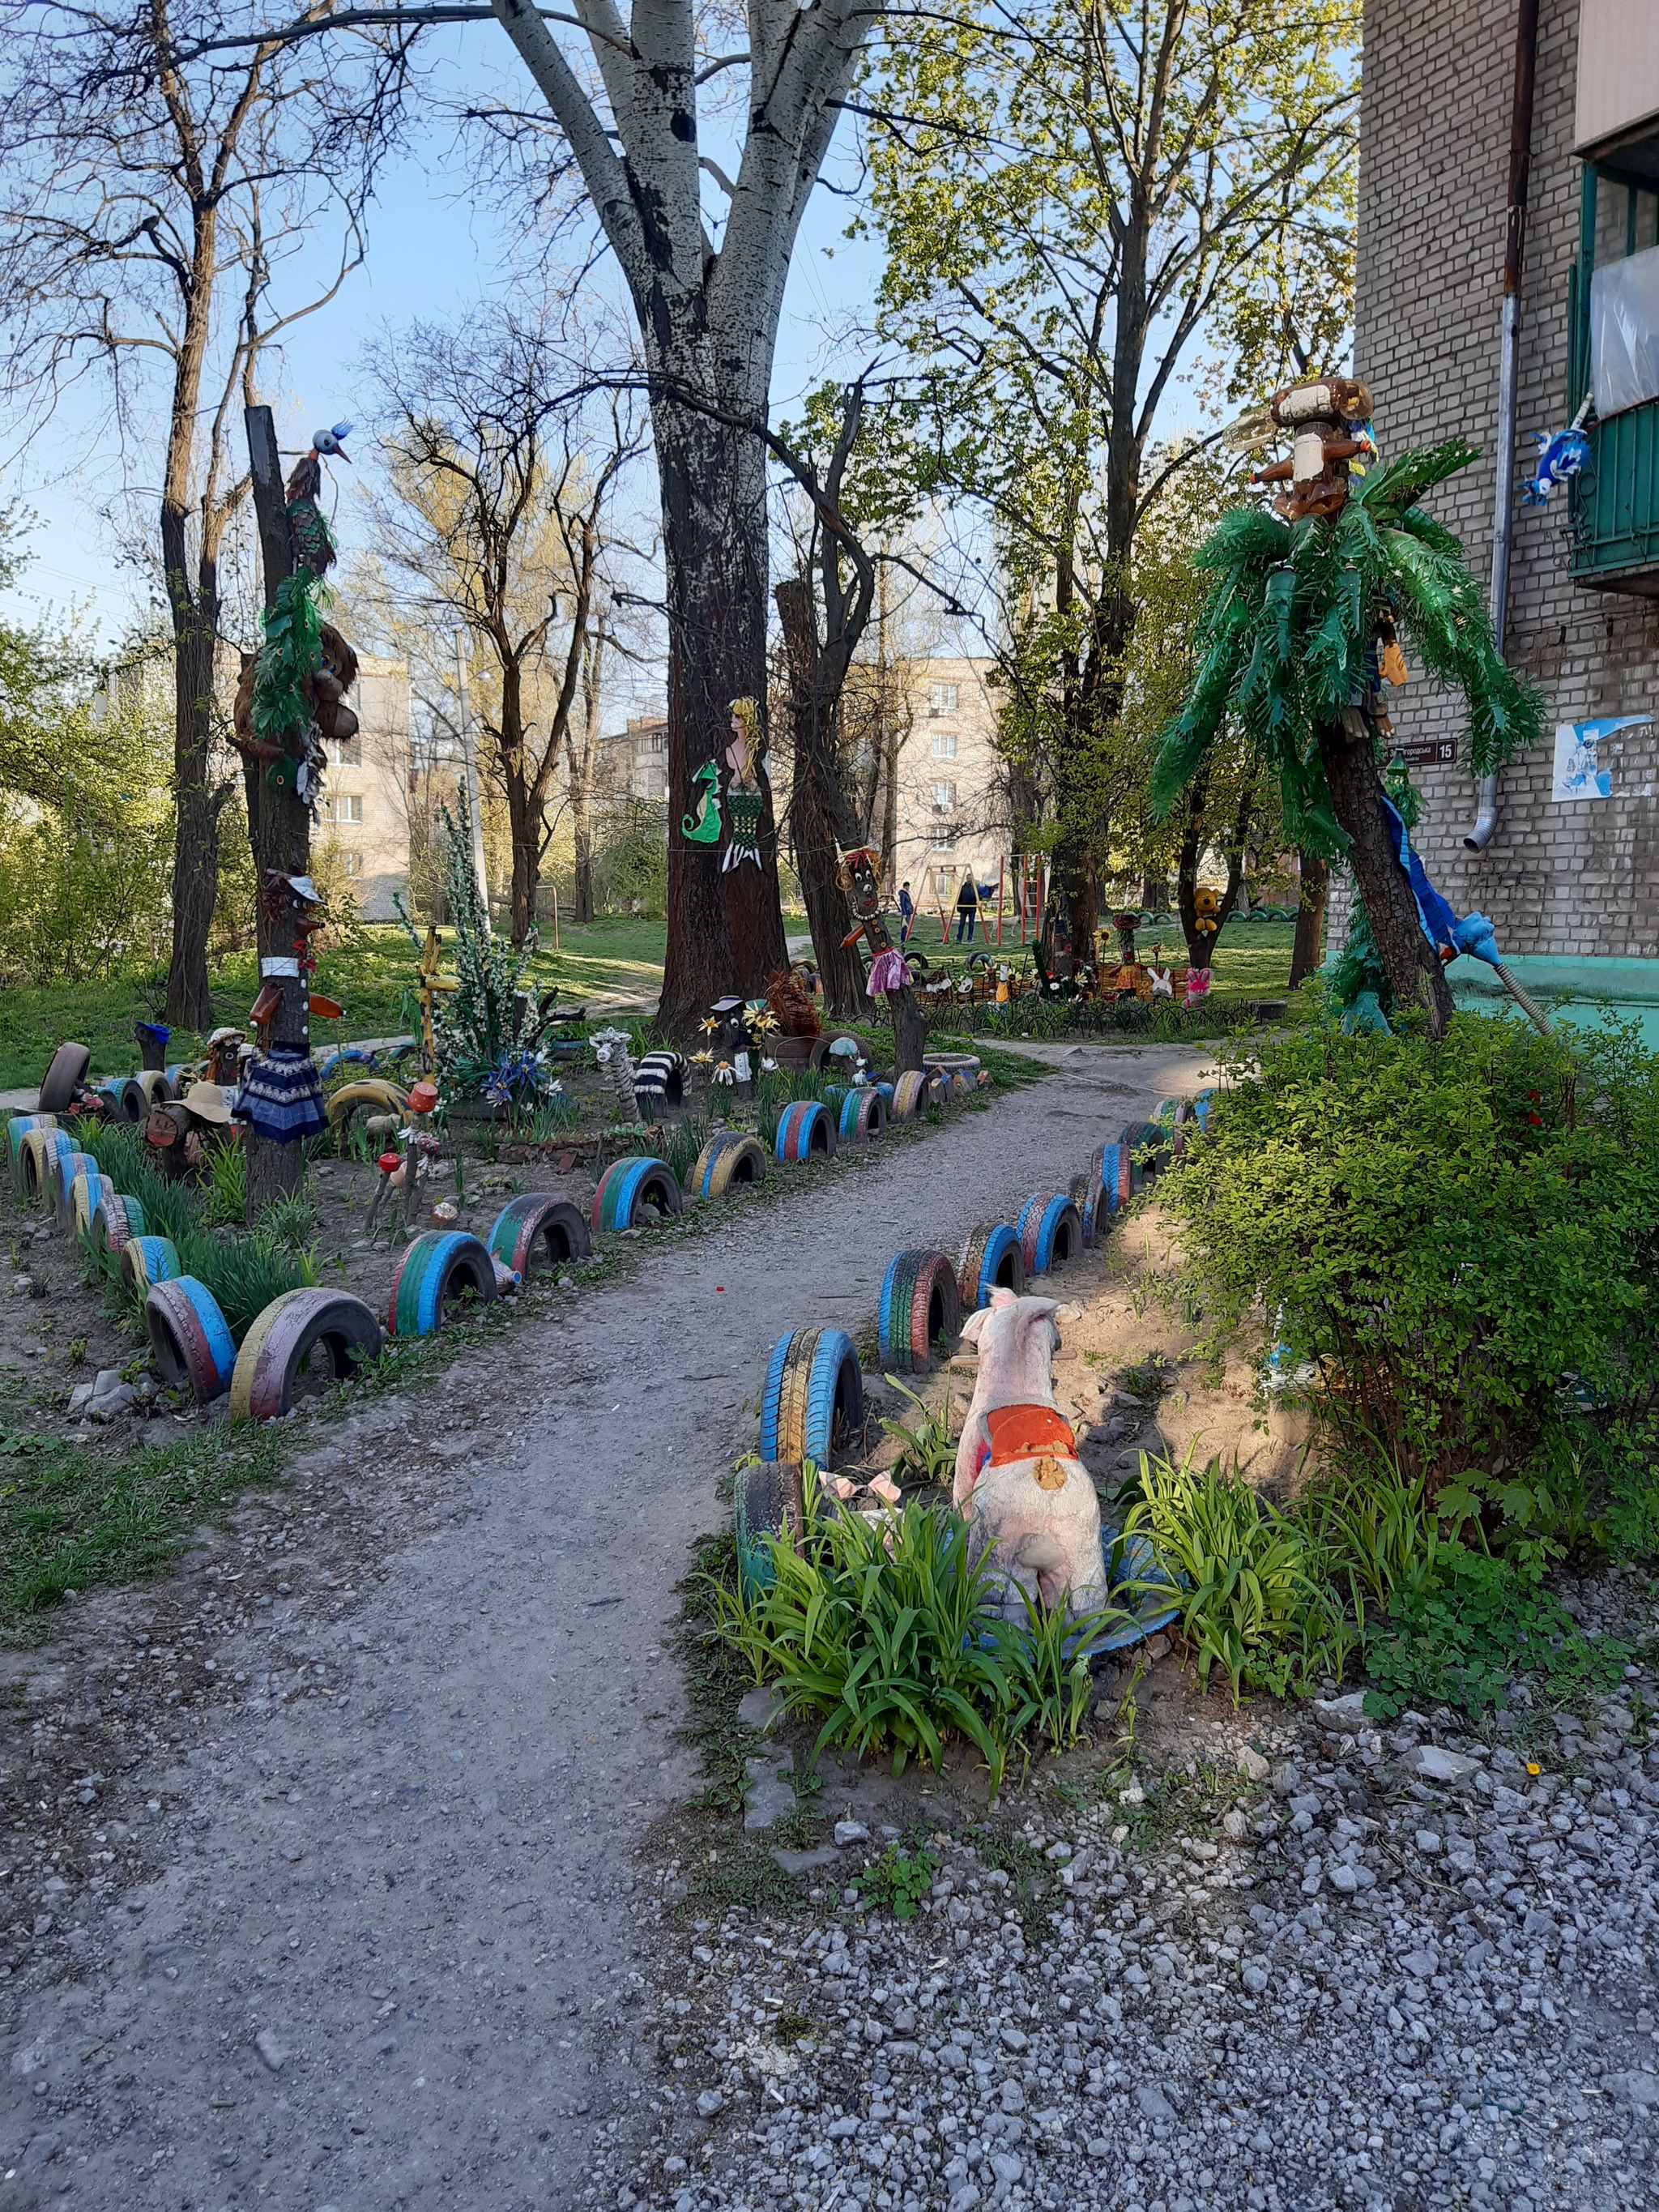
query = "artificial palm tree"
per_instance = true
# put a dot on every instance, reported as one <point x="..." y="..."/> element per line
<point x="1288" y="647"/>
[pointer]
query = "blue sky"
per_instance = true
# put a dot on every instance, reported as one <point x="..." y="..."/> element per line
<point x="434" y="246"/>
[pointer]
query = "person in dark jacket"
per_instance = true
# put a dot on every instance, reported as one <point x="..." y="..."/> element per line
<point x="967" y="909"/>
<point x="907" y="912"/>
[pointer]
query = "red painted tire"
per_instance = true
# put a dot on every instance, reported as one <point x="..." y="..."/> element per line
<point x="863" y="1115"/>
<point x="991" y="1260"/>
<point x="1051" y="1231"/>
<point x="1095" y="1207"/>
<point x="116" y="1220"/>
<point x="805" y="1127"/>
<point x="63" y="1076"/>
<point x="437" y="1267"/>
<point x="290" y="1331"/>
<point x="189" y="1339"/>
<point x="920" y="1306"/>
<point x="538" y="1225"/>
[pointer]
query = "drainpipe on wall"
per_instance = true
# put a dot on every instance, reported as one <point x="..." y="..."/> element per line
<point x="1526" y="58"/>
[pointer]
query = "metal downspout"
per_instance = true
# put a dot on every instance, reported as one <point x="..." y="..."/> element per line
<point x="1525" y="58"/>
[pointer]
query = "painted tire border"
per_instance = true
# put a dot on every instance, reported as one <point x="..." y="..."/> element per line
<point x="528" y="1225"/>
<point x="913" y="1279"/>
<point x="146" y="1260"/>
<point x="627" y="1183"/>
<point x="428" y="1271"/>
<point x="719" y="1162"/>
<point x="189" y="1339"/>
<point x="811" y="1373"/>
<point x="801" y="1125"/>
<point x="985" y="1251"/>
<point x="282" y="1337"/>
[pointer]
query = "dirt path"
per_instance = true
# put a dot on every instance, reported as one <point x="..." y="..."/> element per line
<point x="390" y="1956"/>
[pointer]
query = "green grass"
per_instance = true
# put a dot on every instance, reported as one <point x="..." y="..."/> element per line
<point x="369" y="977"/>
<point x="72" y="1516"/>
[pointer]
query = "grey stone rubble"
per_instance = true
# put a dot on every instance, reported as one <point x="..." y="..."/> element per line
<point x="1362" y="1986"/>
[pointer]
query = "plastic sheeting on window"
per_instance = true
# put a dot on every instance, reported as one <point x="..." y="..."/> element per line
<point x="1625" y="331"/>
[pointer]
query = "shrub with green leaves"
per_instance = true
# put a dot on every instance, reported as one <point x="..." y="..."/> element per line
<point x="1463" y="1235"/>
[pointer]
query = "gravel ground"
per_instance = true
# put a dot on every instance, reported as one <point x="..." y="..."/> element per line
<point x="317" y="1880"/>
<point x="1284" y="1960"/>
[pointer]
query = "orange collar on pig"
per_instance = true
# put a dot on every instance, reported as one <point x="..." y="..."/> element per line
<point x="1018" y="1432"/>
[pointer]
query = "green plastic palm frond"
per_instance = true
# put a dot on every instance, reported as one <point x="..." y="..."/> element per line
<point x="1388" y="491"/>
<point x="1248" y="537"/>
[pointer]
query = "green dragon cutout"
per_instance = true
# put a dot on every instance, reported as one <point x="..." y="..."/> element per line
<point x="704" y="827"/>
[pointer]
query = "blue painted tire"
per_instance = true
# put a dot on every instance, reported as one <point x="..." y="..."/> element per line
<point x="189" y="1339"/>
<point x="1050" y="1230"/>
<point x="631" y="1190"/>
<point x="991" y="1259"/>
<point x="1115" y="1166"/>
<point x="19" y="1127"/>
<point x="863" y="1115"/>
<point x="812" y="1408"/>
<point x="920" y="1306"/>
<point x="146" y="1260"/>
<point x="805" y="1128"/>
<point x="538" y="1224"/>
<point x="37" y="1163"/>
<point x="72" y="1168"/>
<point x="435" y="1267"/>
<point x="1095" y="1208"/>
<point x="729" y="1159"/>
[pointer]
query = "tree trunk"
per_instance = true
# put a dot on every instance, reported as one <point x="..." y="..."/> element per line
<point x="1192" y="840"/>
<point x="279" y="829"/>
<point x="1347" y="754"/>
<point x="582" y="834"/>
<point x="1306" y="951"/>
<point x="812" y="814"/>
<point x="196" y="835"/>
<point x="725" y="928"/>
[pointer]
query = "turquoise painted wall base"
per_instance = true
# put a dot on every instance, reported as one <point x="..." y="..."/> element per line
<point x="1581" y="992"/>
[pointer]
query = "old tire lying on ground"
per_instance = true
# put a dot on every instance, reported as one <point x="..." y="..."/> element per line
<point x="912" y="1092"/>
<point x="660" y="1082"/>
<point x="87" y="1194"/>
<point x="991" y="1259"/>
<point x="766" y="1501"/>
<point x="920" y="1305"/>
<point x="38" y="1156"/>
<point x="804" y="1126"/>
<point x="812" y="1408"/>
<point x="1051" y="1231"/>
<point x="631" y="1191"/>
<point x="442" y="1265"/>
<point x="1148" y="1143"/>
<point x="189" y="1339"/>
<point x="290" y="1331"/>
<point x="863" y="1115"/>
<point x="116" y="1220"/>
<point x="146" y="1260"/>
<point x="1096" y="1205"/>
<point x="72" y="1168"/>
<point x="539" y="1226"/>
<point x="65" y="1075"/>
<point x="729" y="1159"/>
<point x="18" y="1127"/>
<point x="1115" y="1166"/>
<point x="373" y="1093"/>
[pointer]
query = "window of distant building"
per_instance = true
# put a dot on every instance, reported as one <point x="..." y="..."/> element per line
<point x="944" y="744"/>
<point x="346" y="753"/>
<point x="943" y="839"/>
<point x="944" y="796"/>
<point x="348" y="807"/>
<point x="352" y="863"/>
<point x="659" y="742"/>
<point x="941" y="698"/>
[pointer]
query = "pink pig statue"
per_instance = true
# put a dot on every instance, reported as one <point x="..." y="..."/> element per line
<point x="1019" y="1485"/>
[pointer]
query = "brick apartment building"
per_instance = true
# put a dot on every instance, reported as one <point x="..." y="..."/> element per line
<point x="1571" y="874"/>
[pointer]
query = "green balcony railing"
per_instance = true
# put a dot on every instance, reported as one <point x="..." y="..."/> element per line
<point x="1615" y="503"/>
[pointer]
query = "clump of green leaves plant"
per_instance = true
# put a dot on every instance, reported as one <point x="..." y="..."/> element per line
<point x="1249" y="1583"/>
<point x="225" y="1198"/>
<point x="927" y="1452"/>
<point x="290" y="1222"/>
<point x="683" y="1143"/>
<point x="899" y="1879"/>
<point x="1463" y="1236"/>
<point x="883" y="1629"/>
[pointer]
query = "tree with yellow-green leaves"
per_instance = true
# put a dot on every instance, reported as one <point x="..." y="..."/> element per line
<point x="1084" y="206"/>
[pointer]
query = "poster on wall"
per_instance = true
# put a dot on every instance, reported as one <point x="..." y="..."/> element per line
<point x="1584" y="755"/>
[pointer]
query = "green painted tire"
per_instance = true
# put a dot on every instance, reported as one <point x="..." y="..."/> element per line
<point x="442" y="1264"/>
<point x="920" y="1306"/>
<point x="538" y="1225"/>
<point x="146" y="1260"/>
<point x="633" y="1191"/>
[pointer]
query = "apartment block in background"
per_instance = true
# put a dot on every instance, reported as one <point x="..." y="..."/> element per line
<point x="1571" y="874"/>
<point x="952" y="814"/>
<point x="633" y="763"/>
<point x="365" y="811"/>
